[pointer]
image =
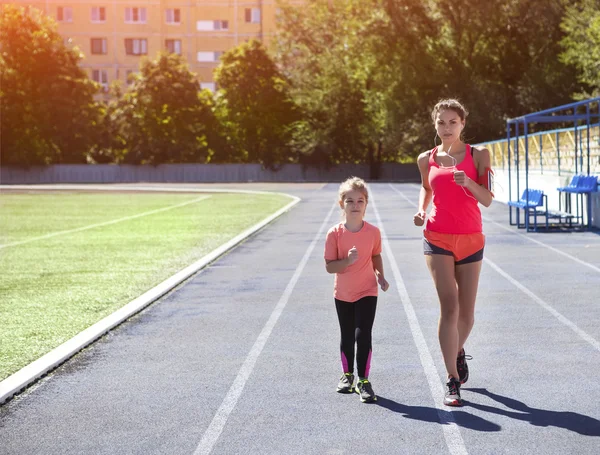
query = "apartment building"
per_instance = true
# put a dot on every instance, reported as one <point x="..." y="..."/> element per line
<point x="114" y="34"/>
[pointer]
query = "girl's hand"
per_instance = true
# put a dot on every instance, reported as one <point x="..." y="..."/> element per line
<point x="383" y="283"/>
<point x="461" y="179"/>
<point x="419" y="218"/>
<point x="352" y="255"/>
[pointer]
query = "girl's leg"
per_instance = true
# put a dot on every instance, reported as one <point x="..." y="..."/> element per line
<point x="345" y="312"/>
<point x="442" y="271"/>
<point x="364" y="317"/>
<point x="467" y="277"/>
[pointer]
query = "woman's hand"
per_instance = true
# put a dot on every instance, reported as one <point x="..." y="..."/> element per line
<point x="461" y="179"/>
<point x="419" y="218"/>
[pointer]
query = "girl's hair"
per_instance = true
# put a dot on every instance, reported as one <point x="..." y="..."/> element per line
<point x="451" y="104"/>
<point x="353" y="184"/>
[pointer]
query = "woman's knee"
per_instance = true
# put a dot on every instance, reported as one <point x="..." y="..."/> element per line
<point x="449" y="309"/>
<point x="466" y="318"/>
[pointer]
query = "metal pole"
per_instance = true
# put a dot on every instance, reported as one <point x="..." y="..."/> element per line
<point x="508" y="153"/>
<point x="575" y="156"/>
<point x="526" y="133"/>
<point x="517" y="157"/>
<point x="541" y="151"/>
<point x="587" y="113"/>
<point x="558" y="150"/>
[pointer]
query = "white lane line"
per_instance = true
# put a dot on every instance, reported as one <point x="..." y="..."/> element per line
<point x="212" y="433"/>
<point x="591" y="340"/>
<point x="106" y="223"/>
<point x="531" y="239"/>
<point x="454" y="440"/>
<point x="585" y="336"/>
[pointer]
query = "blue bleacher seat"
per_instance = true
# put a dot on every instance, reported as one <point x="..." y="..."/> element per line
<point x="581" y="184"/>
<point x="529" y="199"/>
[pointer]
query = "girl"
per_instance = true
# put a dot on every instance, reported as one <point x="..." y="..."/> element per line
<point x="353" y="253"/>
<point x="457" y="177"/>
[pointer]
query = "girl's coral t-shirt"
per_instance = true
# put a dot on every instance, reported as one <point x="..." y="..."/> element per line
<point x="357" y="280"/>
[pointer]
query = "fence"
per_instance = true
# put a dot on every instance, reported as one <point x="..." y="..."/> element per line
<point x="200" y="173"/>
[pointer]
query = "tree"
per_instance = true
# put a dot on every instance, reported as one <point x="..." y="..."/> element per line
<point x="357" y="78"/>
<point x="581" y="44"/>
<point x="47" y="110"/>
<point x="254" y="105"/>
<point x="162" y="118"/>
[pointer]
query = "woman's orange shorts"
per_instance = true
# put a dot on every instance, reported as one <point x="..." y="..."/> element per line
<point x="465" y="248"/>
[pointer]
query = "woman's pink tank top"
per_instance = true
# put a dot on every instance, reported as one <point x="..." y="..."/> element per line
<point x="453" y="211"/>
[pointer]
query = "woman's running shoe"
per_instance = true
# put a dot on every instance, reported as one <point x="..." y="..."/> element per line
<point x="462" y="367"/>
<point x="452" y="397"/>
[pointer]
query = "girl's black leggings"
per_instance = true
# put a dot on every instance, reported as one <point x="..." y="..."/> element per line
<point x="356" y="322"/>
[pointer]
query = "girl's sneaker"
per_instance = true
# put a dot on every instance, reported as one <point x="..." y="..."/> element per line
<point x="346" y="384"/>
<point x="462" y="367"/>
<point x="452" y="397"/>
<point x="365" y="391"/>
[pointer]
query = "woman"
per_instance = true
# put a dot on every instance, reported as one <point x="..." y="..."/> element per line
<point x="455" y="177"/>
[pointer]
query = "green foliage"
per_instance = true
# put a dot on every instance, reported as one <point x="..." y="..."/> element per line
<point x="345" y="81"/>
<point x="46" y="99"/>
<point x="162" y="118"/>
<point x="254" y="106"/>
<point x="325" y="50"/>
<point x="368" y="72"/>
<point x="582" y="43"/>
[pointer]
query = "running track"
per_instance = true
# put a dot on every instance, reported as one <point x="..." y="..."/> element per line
<point x="243" y="358"/>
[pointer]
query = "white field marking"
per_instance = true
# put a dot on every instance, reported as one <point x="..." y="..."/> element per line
<point x="35" y="370"/>
<point x="212" y="433"/>
<point x="585" y="336"/>
<point x="528" y="237"/>
<point x="106" y="223"/>
<point x="454" y="440"/>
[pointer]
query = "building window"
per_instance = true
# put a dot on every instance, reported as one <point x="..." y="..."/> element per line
<point x="101" y="77"/>
<point x="173" y="46"/>
<point x="209" y="26"/>
<point x="98" y="14"/>
<point x="173" y="16"/>
<point x="98" y="45"/>
<point x="135" y="15"/>
<point x="252" y="15"/>
<point x="136" y="46"/>
<point x="209" y="56"/>
<point x="221" y="25"/>
<point x="64" y="14"/>
<point x="208" y="85"/>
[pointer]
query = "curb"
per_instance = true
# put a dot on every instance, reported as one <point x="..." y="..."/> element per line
<point x="27" y="375"/>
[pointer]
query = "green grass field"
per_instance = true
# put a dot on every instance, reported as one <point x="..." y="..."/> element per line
<point x="54" y="284"/>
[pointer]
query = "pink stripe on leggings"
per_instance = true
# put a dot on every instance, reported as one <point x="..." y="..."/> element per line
<point x="368" y="364"/>
<point x="345" y="363"/>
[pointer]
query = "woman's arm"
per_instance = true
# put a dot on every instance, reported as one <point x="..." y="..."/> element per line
<point x="483" y="165"/>
<point x="481" y="159"/>
<point x="425" y="194"/>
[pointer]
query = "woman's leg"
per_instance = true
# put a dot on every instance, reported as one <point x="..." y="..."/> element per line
<point x="442" y="271"/>
<point x="467" y="277"/>
<point x="345" y="312"/>
<point x="364" y="317"/>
